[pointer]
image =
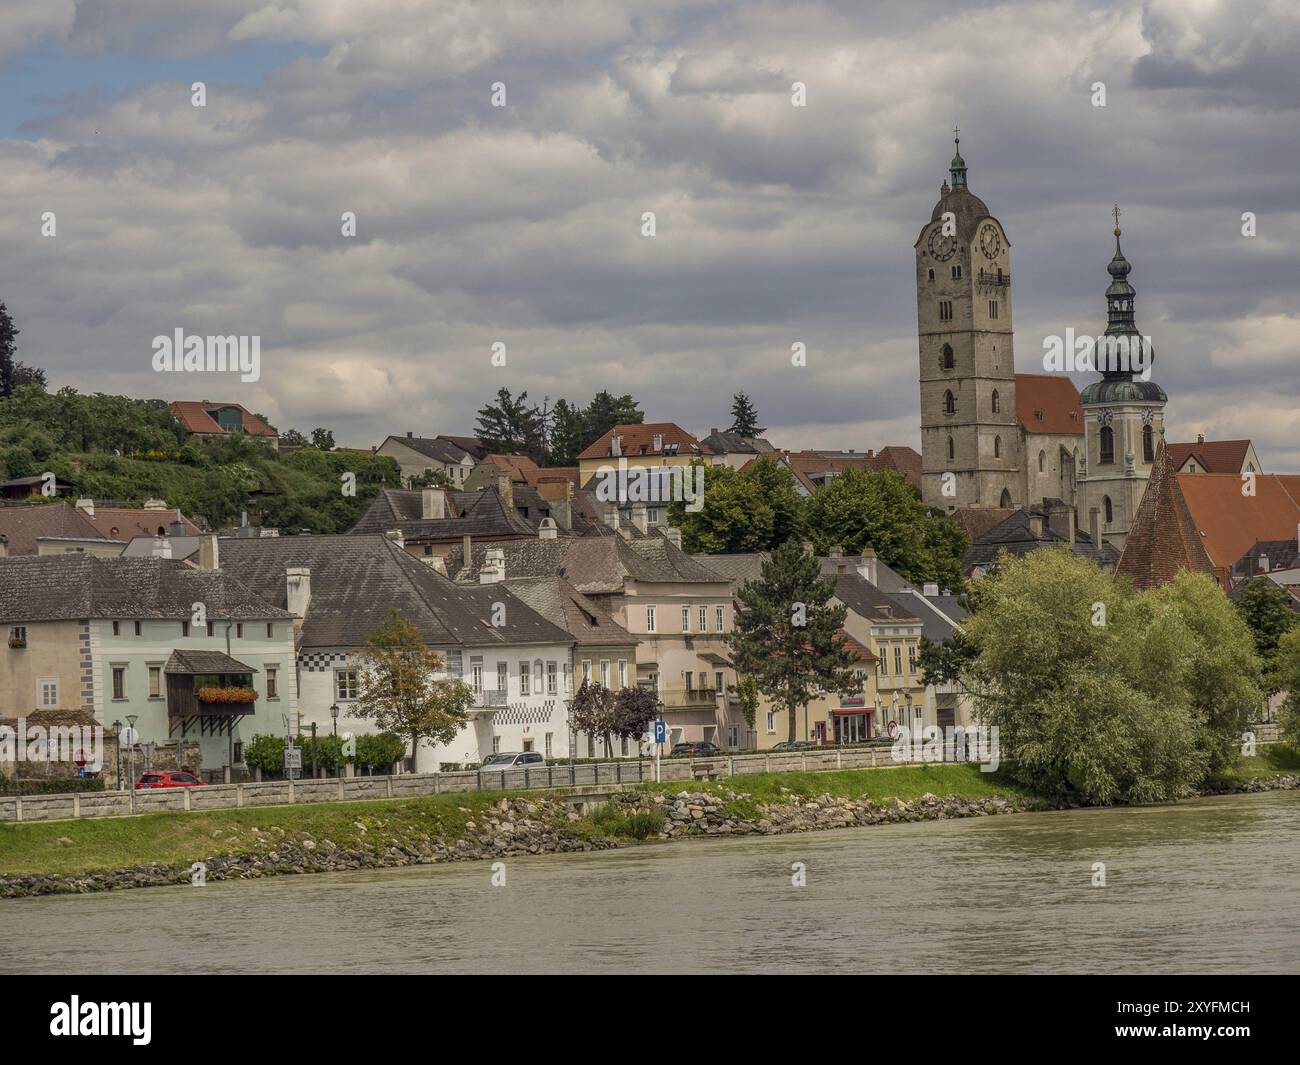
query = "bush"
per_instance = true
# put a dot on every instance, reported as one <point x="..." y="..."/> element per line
<point x="265" y="753"/>
<point x="50" y="786"/>
<point x="380" y="749"/>
<point x="645" y="823"/>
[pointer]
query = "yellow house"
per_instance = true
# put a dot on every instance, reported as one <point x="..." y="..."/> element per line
<point x="632" y="447"/>
<point x="829" y="719"/>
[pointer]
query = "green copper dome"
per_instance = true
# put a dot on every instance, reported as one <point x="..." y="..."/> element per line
<point x="1117" y="390"/>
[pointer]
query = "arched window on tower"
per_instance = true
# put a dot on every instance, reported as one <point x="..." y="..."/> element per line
<point x="1110" y="513"/>
<point x="952" y="449"/>
<point x="1005" y="501"/>
<point x="931" y="277"/>
<point x="1148" y="444"/>
<point x="997" y="447"/>
<point x="1042" y="461"/>
<point x="1106" y="442"/>
<point x="949" y="402"/>
<point x="948" y="361"/>
<point x="997" y="401"/>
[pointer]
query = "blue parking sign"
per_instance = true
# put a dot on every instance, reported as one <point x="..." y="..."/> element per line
<point x="661" y="732"/>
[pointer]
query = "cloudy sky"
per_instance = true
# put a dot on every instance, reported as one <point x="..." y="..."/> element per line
<point x="522" y="224"/>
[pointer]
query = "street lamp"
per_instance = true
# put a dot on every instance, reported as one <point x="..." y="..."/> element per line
<point x="117" y="735"/>
<point x="131" y="719"/>
<point x="338" y="755"/>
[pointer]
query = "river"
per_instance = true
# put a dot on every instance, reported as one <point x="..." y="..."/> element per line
<point x="1211" y="885"/>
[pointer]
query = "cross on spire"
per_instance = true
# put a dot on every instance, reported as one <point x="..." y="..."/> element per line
<point x="1116" y="212"/>
<point x="955" y="136"/>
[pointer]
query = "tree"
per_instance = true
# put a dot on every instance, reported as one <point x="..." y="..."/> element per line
<point x="634" y="709"/>
<point x="293" y="438"/>
<point x="604" y="412"/>
<point x="744" y="417"/>
<point x="879" y="509"/>
<point x="747" y="695"/>
<point x="787" y="633"/>
<point x="1266" y="608"/>
<point x="1286" y="677"/>
<point x="593" y="713"/>
<point x="29" y="375"/>
<point x="1102" y="694"/>
<point x="322" y="440"/>
<point x="431" y="478"/>
<point x="780" y="492"/>
<point x="567" y="435"/>
<point x="399" y="689"/>
<point x="734" y="517"/>
<point x="512" y="427"/>
<point x="8" y="348"/>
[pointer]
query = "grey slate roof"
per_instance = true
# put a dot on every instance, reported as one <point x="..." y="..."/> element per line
<point x="22" y="525"/>
<point x="727" y="443"/>
<point x="435" y="448"/>
<point x="78" y="586"/>
<point x="194" y="662"/>
<point x="1016" y="536"/>
<point x="562" y="604"/>
<point x="357" y="579"/>
<point x="477" y="514"/>
<point x="737" y="568"/>
<point x="143" y="546"/>
<point x="868" y="601"/>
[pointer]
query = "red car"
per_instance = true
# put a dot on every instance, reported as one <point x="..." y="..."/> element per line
<point x="168" y="778"/>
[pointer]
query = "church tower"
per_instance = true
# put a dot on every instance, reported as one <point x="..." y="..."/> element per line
<point x="1124" y="418"/>
<point x="970" y="437"/>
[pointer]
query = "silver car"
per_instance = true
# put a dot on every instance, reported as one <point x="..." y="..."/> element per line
<point x="513" y="760"/>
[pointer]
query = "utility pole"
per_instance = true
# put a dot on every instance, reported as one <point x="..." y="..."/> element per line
<point x="315" y="761"/>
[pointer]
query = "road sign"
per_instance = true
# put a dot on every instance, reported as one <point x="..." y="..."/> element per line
<point x="661" y="731"/>
<point x="128" y="737"/>
<point x="293" y="758"/>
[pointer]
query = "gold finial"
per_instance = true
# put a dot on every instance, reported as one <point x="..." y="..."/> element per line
<point x="955" y="135"/>
<point x="1116" y="212"/>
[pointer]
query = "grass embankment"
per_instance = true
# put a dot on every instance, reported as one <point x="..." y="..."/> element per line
<point x="83" y="846"/>
<point x="1272" y="760"/>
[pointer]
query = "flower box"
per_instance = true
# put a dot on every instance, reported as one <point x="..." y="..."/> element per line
<point x="227" y="695"/>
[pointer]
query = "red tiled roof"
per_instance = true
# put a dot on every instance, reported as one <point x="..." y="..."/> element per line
<point x="1212" y="456"/>
<point x="122" y="523"/>
<point x="860" y="650"/>
<point x="194" y="418"/>
<point x="518" y="466"/>
<point x="635" y="438"/>
<point x="1230" y="523"/>
<point x="22" y="525"/>
<point x="1046" y="403"/>
<point x="1164" y="538"/>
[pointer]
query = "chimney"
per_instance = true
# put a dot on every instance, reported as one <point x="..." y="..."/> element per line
<point x="1263" y="563"/>
<point x="546" y="530"/>
<point x="641" y="517"/>
<point x="658" y="443"/>
<point x="713" y="431"/>
<point x="672" y="534"/>
<point x="433" y="504"/>
<point x="409" y="434"/>
<point x="930" y="589"/>
<point x="836" y="551"/>
<point x="1060" y="519"/>
<point x="88" y="505"/>
<point x="1094" y="530"/>
<point x="398" y="537"/>
<point x="506" y="491"/>
<point x="177" y="526"/>
<point x="1200" y="438"/>
<point x="609" y="515"/>
<point x="466" y="551"/>
<point x="298" y="592"/>
<point x="493" y="570"/>
<point x="209" y="558"/>
<point x="1035" y="525"/>
<point x="616" y="445"/>
<point x="562" y="510"/>
<point x="867" y="567"/>
<point x="162" y="547"/>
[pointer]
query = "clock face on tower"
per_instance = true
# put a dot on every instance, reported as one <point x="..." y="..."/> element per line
<point x="990" y="241"/>
<point x="941" y="247"/>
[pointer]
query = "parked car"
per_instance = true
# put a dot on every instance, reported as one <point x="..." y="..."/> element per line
<point x="168" y="778"/>
<point x="513" y="760"/>
<point x="793" y="745"/>
<point x="695" y="749"/>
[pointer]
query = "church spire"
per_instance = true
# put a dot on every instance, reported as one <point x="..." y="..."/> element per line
<point x="1120" y="297"/>
<point x="957" y="169"/>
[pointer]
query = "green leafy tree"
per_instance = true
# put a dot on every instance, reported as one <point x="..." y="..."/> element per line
<point x="399" y="690"/>
<point x="606" y="411"/>
<point x="1266" y="608"/>
<point x="734" y="517"/>
<point x="431" y="478"/>
<point x="322" y="439"/>
<point x="780" y="493"/>
<point x="879" y="509"/>
<point x="8" y="349"/>
<point x="744" y="416"/>
<point x="1286" y="678"/>
<point x="25" y="375"/>
<point x="567" y="435"/>
<point x="293" y="438"/>
<point x="634" y="709"/>
<point x="379" y="750"/>
<point x="594" y="712"/>
<point x="787" y="633"/>
<point x="747" y="694"/>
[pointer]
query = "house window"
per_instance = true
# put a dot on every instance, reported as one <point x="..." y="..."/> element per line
<point x="47" y="693"/>
<point x="239" y="630"/>
<point x="993" y="308"/>
<point x="956" y="272"/>
<point x="137" y="628"/>
<point x="476" y="675"/>
<point x="212" y="628"/>
<point x="884" y="661"/>
<point x="771" y="721"/>
<point x="649" y="619"/>
<point x="911" y="659"/>
<point x="952" y="449"/>
<point x="346" y="687"/>
<point x="704" y="619"/>
<point x="185" y="628"/>
<point x="496" y="744"/>
<point x="720" y="618"/>
<point x="948" y="360"/>
<point x="997" y="401"/>
<point x="1106" y="442"/>
<point x="155" y="682"/>
<point x="503" y="677"/>
<point x="537" y="676"/>
<point x="945" y="310"/>
<point x="586" y="671"/>
<point x="622" y="672"/>
<point x="717" y="681"/>
<point x="604" y="673"/>
<point x="931" y="275"/>
<point x="686" y="619"/>
<point x="949" y="402"/>
<point x="117" y="628"/>
<point x="551" y="677"/>
<point x="1148" y="444"/>
<point x="119" y="682"/>
<point x="898" y="660"/>
<point x="270" y="630"/>
<point x="1042" y="461"/>
<point x="1110" y="514"/>
<point x="272" y="682"/>
<point x="18" y="636"/>
<point x="550" y="743"/>
<point x="568" y="678"/>
<point x="690" y="680"/>
<point x="525" y="676"/>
